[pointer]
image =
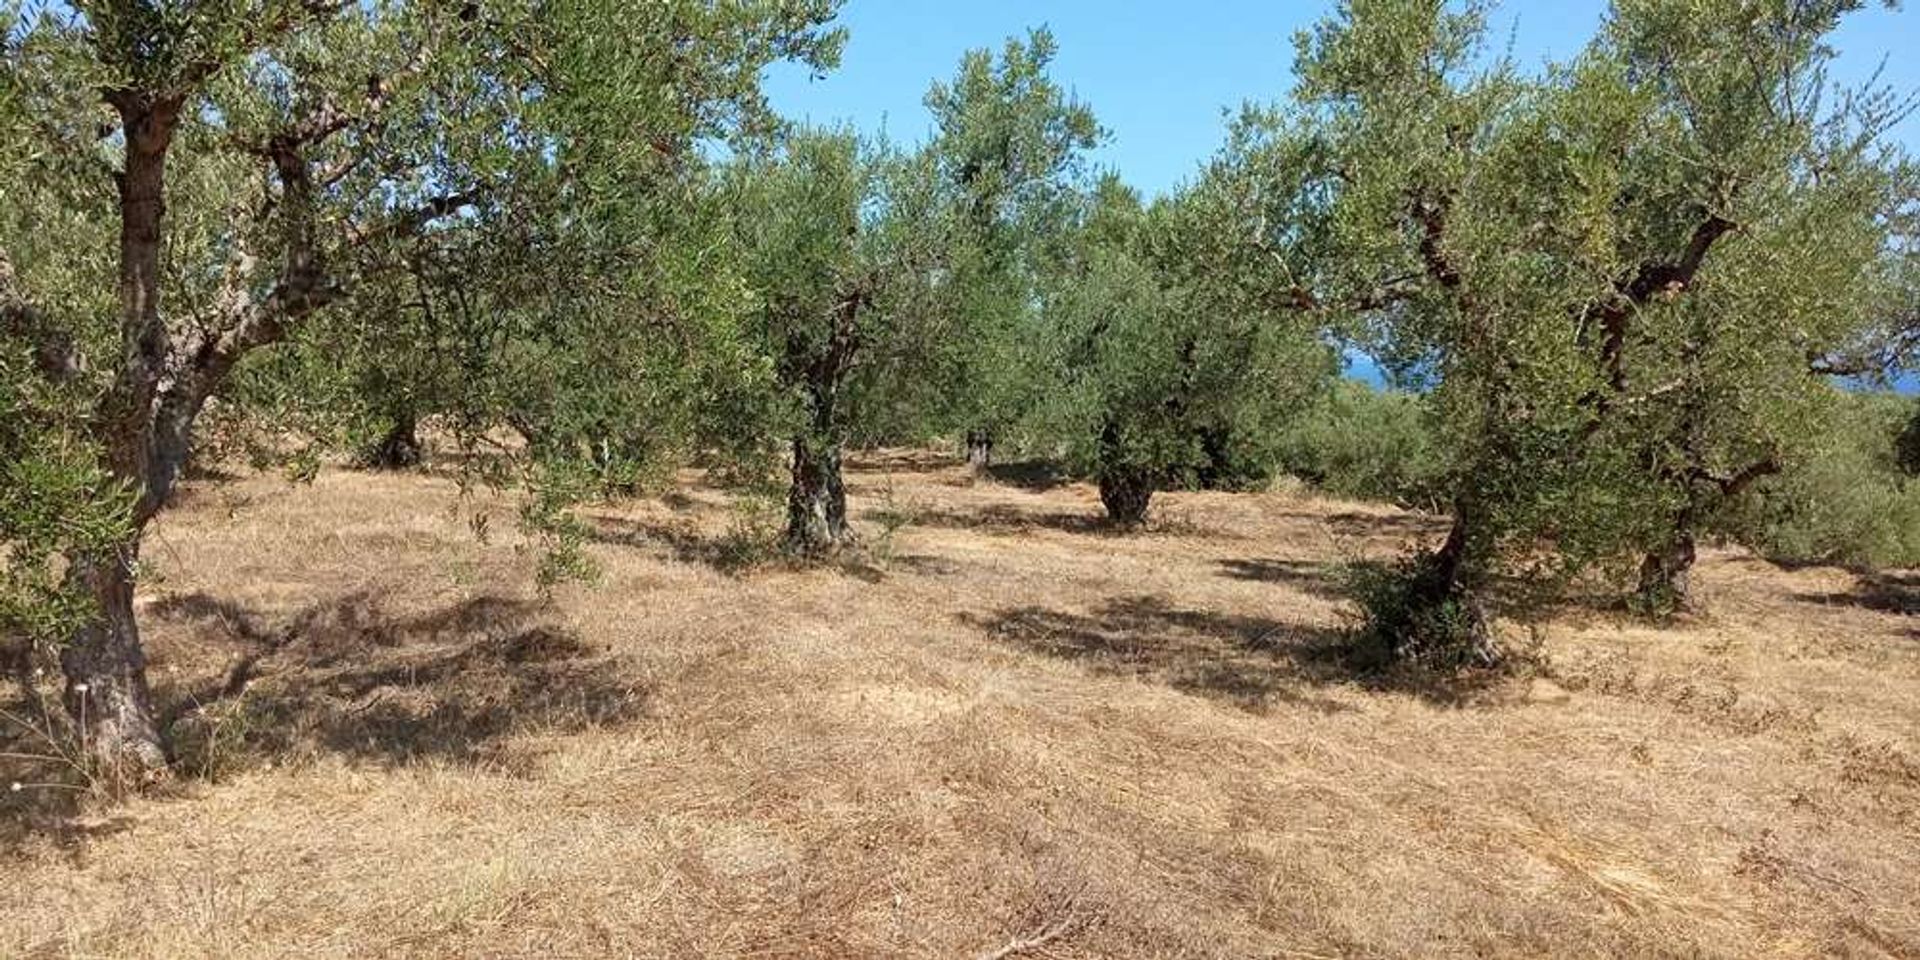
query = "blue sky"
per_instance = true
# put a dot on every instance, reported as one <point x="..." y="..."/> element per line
<point x="1159" y="74"/>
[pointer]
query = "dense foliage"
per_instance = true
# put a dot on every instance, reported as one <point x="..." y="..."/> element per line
<point x="1366" y="444"/>
<point x="571" y="237"/>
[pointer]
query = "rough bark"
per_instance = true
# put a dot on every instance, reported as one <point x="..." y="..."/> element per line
<point x="1666" y="575"/>
<point x="1442" y="618"/>
<point x="1126" y="489"/>
<point x="979" y="449"/>
<point x="104" y="666"/>
<point x="106" y="681"/>
<point x="1126" y="492"/>
<point x="145" y="420"/>
<point x="399" y="449"/>
<point x="817" y="499"/>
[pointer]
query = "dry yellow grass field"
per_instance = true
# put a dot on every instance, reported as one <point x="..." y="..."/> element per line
<point x="1007" y="732"/>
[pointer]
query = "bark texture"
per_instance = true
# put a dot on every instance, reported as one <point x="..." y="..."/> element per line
<point x="1666" y="575"/>
<point x="103" y="662"/>
<point x="979" y="449"/>
<point x="1126" y="492"/>
<point x="399" y="448"/>
<point x="1440" y="618"/>
<point x="1126" y="489"/>
<point x="816" y="500"/>
<point x="106" y="681"/>
<point x="162" y="381"/>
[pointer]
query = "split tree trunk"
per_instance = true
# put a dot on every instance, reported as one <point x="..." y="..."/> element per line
<point x="979" y="449"/>
<point x="817" y="499"/>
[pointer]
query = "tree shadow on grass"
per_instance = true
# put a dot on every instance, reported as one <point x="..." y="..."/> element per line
<point x="1385" y="526"/>
<point x="732" y="552"/>
<point x="1034" y="476"/>
<point x="236" y="687"/>
<point x="1308" y="576"/>
<point x="1884" y="592"/>
<point x="1250" y="662"/>
<point x="1004" y="520"/>
<point x="900" y="461"/>
<point x="349" y="678"/>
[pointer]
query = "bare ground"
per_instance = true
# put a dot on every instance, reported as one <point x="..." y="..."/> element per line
<point x="1005" y="732"/>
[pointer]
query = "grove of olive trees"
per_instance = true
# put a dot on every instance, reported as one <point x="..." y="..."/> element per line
<point x="572" y="235"/>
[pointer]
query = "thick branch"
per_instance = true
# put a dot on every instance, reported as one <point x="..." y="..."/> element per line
<point x="1653" y="278"/>
<point x="410" y="221"/>
<point x="1731" y="485"/>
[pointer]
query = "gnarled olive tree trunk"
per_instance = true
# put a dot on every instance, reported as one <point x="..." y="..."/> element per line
<point x="1126" y="489"/>
<point x="817" y="498"/>
<point x="1666" y="574"/>
<point x="1443" y="619"/>
<point x="103" y="663"/>
<point x="399" y="448"/>
<point x="106" y="677"/>
<point x="979" y="448"/>
<point x="146" y="419"/>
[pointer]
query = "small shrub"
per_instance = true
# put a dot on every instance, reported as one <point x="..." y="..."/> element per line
<point x="1409" y="615"/>
<point x="1850" y="501"/>
<point x="1366" y="444"/>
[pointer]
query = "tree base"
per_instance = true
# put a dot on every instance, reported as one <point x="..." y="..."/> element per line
<point x="1416" y="611"/>
<point x="1666" y="581"/>
<point x="1126" y="494"/>
<point x="979" y="450"/>
<point x="399" y="450"/>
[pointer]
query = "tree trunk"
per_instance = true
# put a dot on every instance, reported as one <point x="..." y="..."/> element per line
<point x="979" y="449"/>
<point x="1125" y="488"/>
<point x="104" y="667"/>
<point x="817" y="499"/>
<point x="1440" y="618"/>
<point x="106" y="679"/>
<point x="400" y="448"/>
<point x="1666" y="575"/>
<point x="1126" y="493"/>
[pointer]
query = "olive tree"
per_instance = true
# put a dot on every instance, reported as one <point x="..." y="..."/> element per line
<point x="238" y="168"/>
<point x="841" y="235"/>
<point x="1156" y="353"/>
<point x="1589" y="268"/>
<point x="1750" y="244"/>
<point x="1009" y="146"/>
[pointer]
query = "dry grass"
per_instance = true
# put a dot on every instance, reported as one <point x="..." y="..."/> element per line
<point x="1011" y="732"/>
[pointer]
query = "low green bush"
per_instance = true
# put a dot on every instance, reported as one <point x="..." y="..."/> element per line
<point x="1368" y="444"/>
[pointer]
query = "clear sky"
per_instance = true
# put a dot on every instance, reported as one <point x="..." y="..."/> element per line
<point x="1160" y="74"/>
